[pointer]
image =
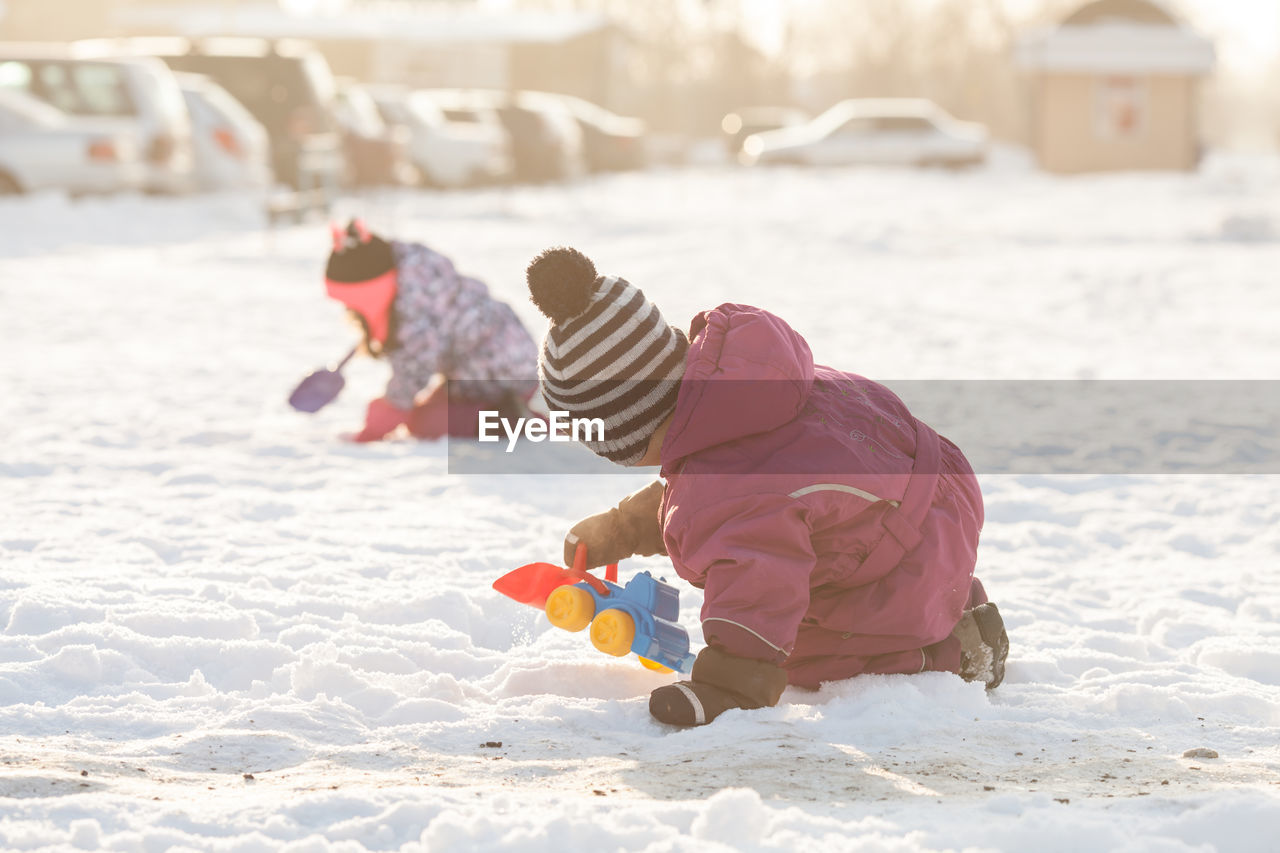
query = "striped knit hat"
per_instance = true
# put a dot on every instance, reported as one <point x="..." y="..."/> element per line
<point x="608" y="355"/>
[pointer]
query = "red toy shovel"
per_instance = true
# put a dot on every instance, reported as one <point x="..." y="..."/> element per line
<point x="532" y="584"/>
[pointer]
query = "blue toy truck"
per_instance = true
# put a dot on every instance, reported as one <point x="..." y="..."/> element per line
<point x="639" y="617"/>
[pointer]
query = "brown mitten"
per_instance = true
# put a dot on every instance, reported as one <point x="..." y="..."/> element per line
<point x="630" y="528"/>
<point x="720" y="681"/>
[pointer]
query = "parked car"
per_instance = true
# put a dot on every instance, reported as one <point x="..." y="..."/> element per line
<point x="136" y="94"/>
<point x="903" y="131"/>
<point x="286" y="85"/>
<point x="610" y="142"/>
<point x="469" y="106"/>
<point x="546" y="140"/>
<point x="42" y="148"/>
<point x="740" y="124"/>
<point x="231" y="146"/>
<point x="377" y="152"/>
<point x="445" y="153"/>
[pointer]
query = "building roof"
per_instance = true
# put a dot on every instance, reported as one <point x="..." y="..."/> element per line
<point x="268" y="20"/>
<point x="1133" y="11"/>
<point x="1118" y="37"/>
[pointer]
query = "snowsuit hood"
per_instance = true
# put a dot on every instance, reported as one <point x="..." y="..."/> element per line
<point x="746" y="372"/>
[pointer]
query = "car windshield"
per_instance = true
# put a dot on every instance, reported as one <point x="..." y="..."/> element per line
<point x="854" y="117"/>
<point x="15" y="76"/>
<point x="102" y="90"/>
<point x="904" y="124"/>
<point x="75" y="87"/>
<point x="834" y="118"/>
<point x="463" y="115"/>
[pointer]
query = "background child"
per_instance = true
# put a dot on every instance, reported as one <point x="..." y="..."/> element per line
<point x="832" y="532"/>
<point x="432" y="324"/>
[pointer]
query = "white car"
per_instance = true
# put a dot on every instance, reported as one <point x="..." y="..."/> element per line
<point x="446" y="153"/>
<point x="899" y="131"/>
<point x="42" y="148"/>
<point x="232" y="151"/>
<point x="137" y="94"/>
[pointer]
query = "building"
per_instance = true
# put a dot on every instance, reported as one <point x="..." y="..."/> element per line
<point x="1115" y="86"/>
<point x="455" y="46"/>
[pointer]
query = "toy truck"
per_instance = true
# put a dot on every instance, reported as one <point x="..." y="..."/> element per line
<point x="639" y="617"/>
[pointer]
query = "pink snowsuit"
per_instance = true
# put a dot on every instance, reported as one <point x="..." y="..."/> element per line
<point x="829" y="528"/>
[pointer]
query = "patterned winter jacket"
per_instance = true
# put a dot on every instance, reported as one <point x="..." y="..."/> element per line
<point x="450" y="324"/>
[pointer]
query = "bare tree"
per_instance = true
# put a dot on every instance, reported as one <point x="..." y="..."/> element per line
<point x="960" y="53"/>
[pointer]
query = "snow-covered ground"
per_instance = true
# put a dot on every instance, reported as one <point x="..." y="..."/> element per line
<point x="224" y="629"/>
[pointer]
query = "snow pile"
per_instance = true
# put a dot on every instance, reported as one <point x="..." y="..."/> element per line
<point x="224" y="629"/>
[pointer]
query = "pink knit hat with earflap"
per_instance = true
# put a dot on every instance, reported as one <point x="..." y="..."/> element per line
<point x="361" y="274"/>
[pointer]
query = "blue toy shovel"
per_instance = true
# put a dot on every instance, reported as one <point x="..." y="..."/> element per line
<point x="321" y="387"/>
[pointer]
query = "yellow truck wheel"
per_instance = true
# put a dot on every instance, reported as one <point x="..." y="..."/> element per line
<point x="612" y="632"/>
<point x="570" y="608"/>
<point x="654" y="665"/>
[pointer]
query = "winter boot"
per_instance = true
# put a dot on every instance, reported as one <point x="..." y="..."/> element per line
<point x="984" y="645"/>
<point x="720" y="681"/>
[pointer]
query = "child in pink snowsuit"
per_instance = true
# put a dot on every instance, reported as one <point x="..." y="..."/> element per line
<point x="832" y="532"/>
<point x="431" y="324"/>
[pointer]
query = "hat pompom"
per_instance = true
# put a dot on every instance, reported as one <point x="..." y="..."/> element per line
<point x="358" y="255"/>
<point x="562" y="282"/>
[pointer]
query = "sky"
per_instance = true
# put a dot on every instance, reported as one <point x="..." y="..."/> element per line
<point x="1247" y="32"/>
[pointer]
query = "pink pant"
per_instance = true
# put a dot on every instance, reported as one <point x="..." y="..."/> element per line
<point x="942" y="656"/>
